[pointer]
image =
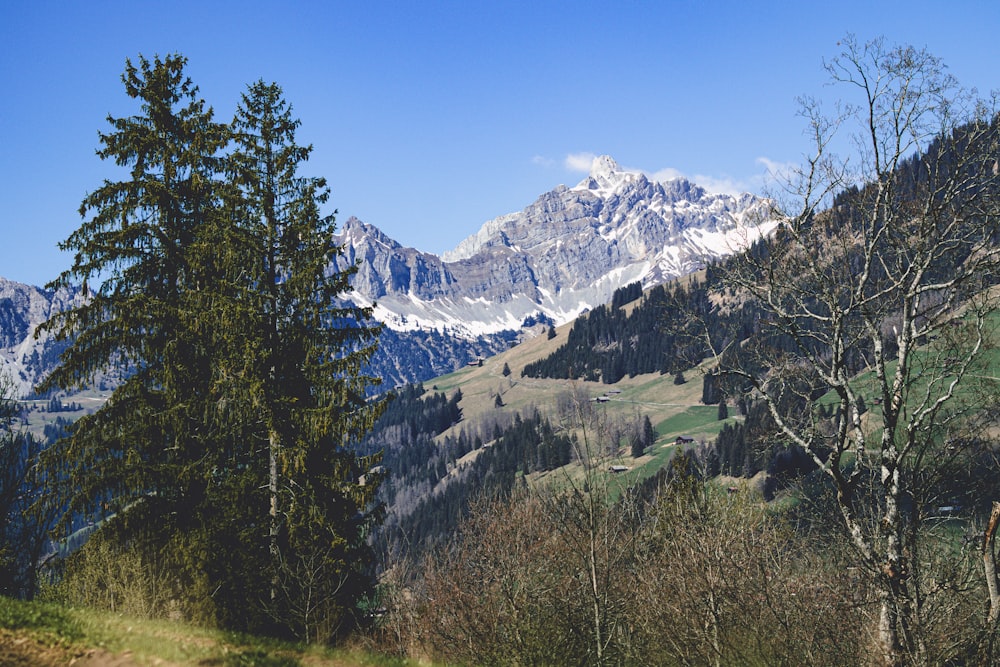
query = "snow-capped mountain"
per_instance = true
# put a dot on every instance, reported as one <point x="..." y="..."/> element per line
<point x="25" y="359"/>
<point x="563" y="254"/>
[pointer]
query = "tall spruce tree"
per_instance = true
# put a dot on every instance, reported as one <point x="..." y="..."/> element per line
<point x="300" y="355"/>
<point x="147" y="452"/>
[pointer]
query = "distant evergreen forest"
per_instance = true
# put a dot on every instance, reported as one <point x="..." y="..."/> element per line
<point x="427" y="491"/>
<point x="608" y="344"/>
<point x="428" y="354"/>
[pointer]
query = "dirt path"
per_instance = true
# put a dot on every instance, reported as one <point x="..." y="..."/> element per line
<point x="19" y="650"/>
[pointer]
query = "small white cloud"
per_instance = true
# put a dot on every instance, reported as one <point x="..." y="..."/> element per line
<point x="721" y="185"/>
<point x="777" y="172"/>
<point x="579" y="162"/>
<point x="772" y="172"/>
<point x="665" y="174"/>
<point x="543" y="161"/>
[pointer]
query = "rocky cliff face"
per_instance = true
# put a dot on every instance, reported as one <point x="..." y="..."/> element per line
<point x="24" y="360"/>
<point x="563" y="254"/>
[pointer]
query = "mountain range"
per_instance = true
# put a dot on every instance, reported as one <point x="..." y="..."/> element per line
<point x="561" y="255"/>
<point x="558" y="257"/>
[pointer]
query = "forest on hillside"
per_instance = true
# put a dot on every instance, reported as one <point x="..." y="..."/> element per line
<point x="433" y="481"/>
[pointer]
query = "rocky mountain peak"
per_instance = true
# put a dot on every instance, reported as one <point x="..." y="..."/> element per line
<point x="605" y="174"/>
<point x="355" y="232"/>
<point x="566" y="252"/>
<point x="24" y="359"/>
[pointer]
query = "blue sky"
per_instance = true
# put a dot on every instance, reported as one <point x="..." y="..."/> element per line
<point x="429" y="118"/>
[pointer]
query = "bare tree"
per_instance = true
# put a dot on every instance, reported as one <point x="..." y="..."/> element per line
<point x="876" y="292"/>
<point x="540" y="578"/>
<point x="599" y="522"/>
<point x="498" y="594"/>
<point x="721" y="580"/>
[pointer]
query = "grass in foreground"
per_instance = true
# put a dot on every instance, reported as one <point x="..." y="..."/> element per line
<point x="34" y="633"/>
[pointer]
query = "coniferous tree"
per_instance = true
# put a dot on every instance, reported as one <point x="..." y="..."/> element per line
<point x="300" y="357"/>
<point x="649" y="433"/>
<point x="23" y="535"/>
<point x="710" y="388"/>
<point x="146" y="451"/>
<point x="637" y="442"/>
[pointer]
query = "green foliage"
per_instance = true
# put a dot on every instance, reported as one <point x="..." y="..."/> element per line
<point x="144" y="442"/>
<point x="295" y="360"/>
<point x="221" y="462"/>
<point x="153" y="574"/>
<point x="51" y="619"/>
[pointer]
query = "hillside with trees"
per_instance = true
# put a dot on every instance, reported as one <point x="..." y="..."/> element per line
<point x="858" y="346"/>
<point x="610" y="342"/>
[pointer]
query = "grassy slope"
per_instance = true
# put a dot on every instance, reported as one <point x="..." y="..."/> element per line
<point x="89" y="400"/>
<point x="674" y="410"/>
<point x="42" y="634"/>
<point x="986" y="372"/>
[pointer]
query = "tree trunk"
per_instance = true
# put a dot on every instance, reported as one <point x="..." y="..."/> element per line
<point x="272" y="487"/>
<point x="888" y="632"/>
<point x="894" y="615"/>
<point x="595" y="585"/>
<point x="990" y="564"/>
